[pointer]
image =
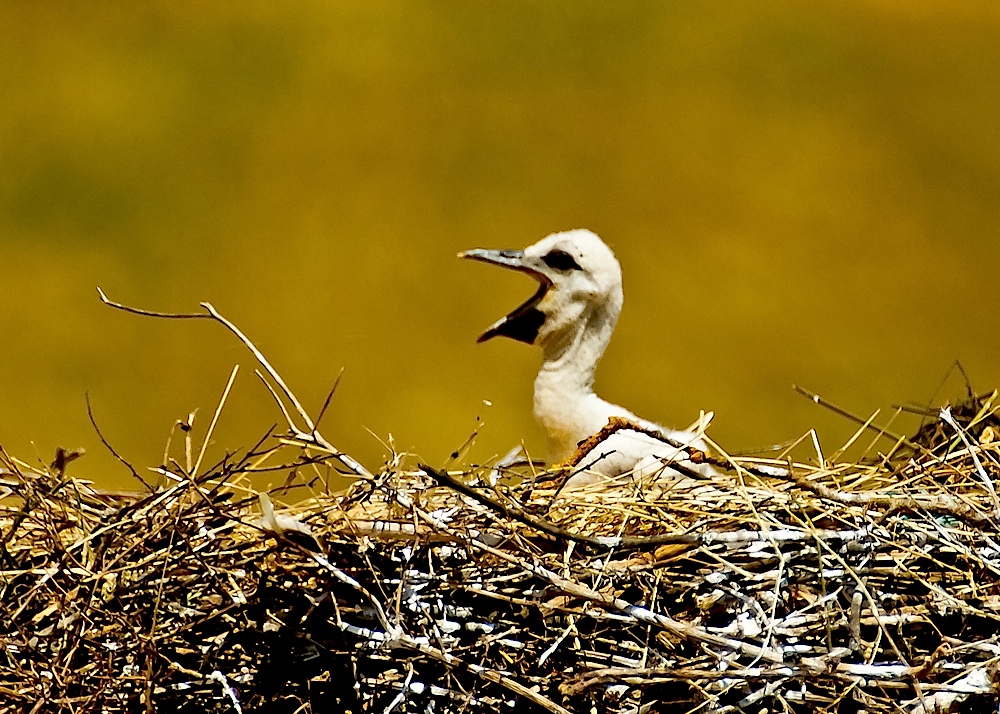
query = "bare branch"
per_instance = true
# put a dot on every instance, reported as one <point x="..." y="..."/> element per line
<point x="310" y="435"/>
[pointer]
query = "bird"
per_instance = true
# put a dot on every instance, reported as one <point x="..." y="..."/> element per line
<point x="572" y="316"/>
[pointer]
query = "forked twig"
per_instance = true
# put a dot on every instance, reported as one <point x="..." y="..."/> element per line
<point x="310" y="435"/>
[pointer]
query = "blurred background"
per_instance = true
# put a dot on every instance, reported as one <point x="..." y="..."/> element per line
<point x="797" y="192"/>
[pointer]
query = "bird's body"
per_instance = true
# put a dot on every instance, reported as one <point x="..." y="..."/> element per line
<point x="571" y="317"/>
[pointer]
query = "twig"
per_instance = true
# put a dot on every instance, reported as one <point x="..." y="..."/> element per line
<point x="329" y="398"/>
<point x="817" y="399"/>
<point x="109" y="447"/>
<point x="310" y="435"/>
<point x="929" y="504"/>
<point x="512" y="510"/>
<point x="215" y="420"/>
<point x="948" y="419"/>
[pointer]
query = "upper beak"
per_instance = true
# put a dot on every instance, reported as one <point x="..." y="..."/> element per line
<point x="513" y="259"/>
<point x="523" y="322"/>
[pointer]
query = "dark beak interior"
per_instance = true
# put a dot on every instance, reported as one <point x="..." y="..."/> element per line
<point x="522" y="323"/>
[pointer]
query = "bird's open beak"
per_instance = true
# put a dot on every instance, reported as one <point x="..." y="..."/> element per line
<point x="522" y="323"/>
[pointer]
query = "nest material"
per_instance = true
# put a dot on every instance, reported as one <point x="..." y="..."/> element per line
<point x="775" y="586"/>
<point x="830" y="586"/>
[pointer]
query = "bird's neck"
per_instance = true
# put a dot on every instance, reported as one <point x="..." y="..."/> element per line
<point x="569" y="361"/>
<point x="565" y="403"/>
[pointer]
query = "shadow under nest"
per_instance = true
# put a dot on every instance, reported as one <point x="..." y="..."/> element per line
<point x="827" y="586"/>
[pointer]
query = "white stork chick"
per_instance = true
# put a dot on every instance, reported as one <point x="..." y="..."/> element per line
<point x="571" y="316"/>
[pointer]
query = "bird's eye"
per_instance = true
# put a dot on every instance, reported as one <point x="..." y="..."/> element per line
<point x="560" y="260"/>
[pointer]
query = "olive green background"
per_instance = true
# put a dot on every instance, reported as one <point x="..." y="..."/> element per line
<point x="797" y="192"/>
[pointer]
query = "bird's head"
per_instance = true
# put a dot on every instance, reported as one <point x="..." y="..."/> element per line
<point x="579" y="284"/>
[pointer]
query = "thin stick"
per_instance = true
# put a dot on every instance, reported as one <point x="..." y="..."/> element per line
<point x="310" y="434"/>
<point x="263" y="362"/>
<point x="817" y="399"/>
<point x="109" y="447"/>
<point x="910" y="503"/>
<point x="215" y="420"/>
<point x="948" y="419"/>
<point x="329" y="398"/>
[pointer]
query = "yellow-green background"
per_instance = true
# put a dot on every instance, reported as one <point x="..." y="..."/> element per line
<point x="797" y="191"/>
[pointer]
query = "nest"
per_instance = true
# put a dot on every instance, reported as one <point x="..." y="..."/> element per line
<point x="818" y="585"/>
